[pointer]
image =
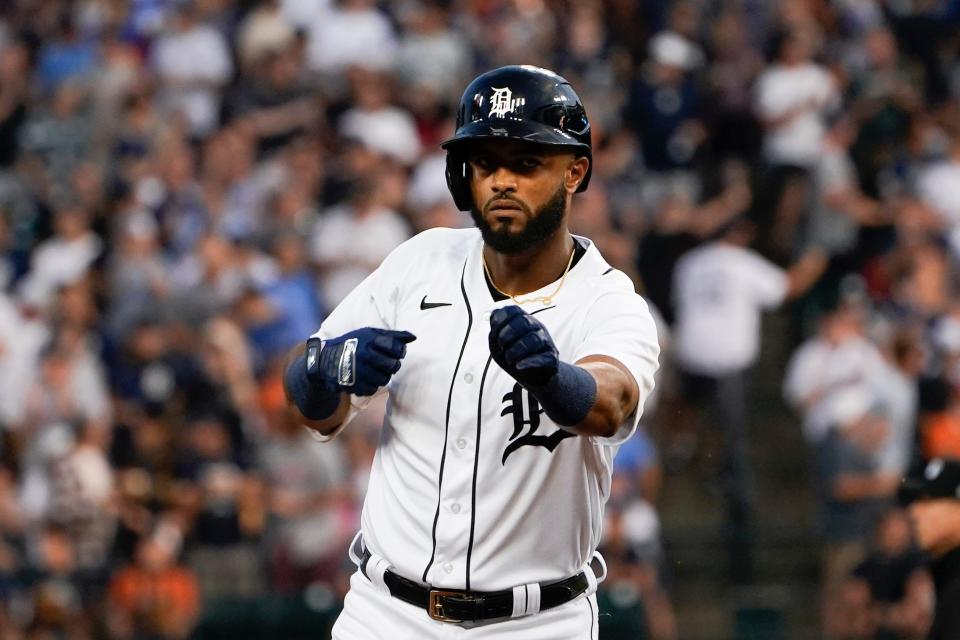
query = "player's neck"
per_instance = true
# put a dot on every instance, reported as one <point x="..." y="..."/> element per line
<point x="533" y="269"/>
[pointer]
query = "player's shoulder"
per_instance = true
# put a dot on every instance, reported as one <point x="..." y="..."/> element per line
<point x="598" y="275"/>
<point x="436" y="244"/>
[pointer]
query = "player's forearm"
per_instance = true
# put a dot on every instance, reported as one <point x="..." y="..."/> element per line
<point x="326" y="426"/>
<point x="301" y="399"/>
<point x="616" y="399"/>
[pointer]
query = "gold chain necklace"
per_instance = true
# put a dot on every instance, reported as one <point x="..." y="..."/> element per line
<point x="541" y="299"/>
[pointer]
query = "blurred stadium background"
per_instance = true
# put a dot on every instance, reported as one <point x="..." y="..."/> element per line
<point x="188" y="186"/>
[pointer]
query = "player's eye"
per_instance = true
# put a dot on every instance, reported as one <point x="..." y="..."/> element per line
<point x="482" y="162"/>
<point x="529" y="162"/>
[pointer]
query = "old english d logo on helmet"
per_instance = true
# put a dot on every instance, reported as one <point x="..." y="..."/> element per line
<point x="502" y="102"/>
<point x="521" y="103"/>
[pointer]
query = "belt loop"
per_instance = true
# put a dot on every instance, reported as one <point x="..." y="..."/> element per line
<point x="356" y="550"/>
<point x="376" y="567"/>
<point x="602" y="563"/>
<point x="592" y="580"/>
<point x="526" y="600"/>
<point x="519" y="601"/>
<point x="533" y="598"/>
<point x="370" y="564"/>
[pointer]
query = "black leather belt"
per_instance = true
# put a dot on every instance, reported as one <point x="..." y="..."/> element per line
<point x="451" y="605"/>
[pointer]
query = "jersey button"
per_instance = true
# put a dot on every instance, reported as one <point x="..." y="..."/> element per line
<point x="455" y="507"/>
<point x="461" y="443"/>
<point x="448" y="568"/>
<point x="468" y="378"/>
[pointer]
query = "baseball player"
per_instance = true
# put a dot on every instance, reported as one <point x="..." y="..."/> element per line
<point x="516" y="361"/>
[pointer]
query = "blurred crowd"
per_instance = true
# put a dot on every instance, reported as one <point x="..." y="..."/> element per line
<point x="188" y="186"/>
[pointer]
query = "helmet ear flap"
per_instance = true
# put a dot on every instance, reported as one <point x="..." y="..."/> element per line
<point x="458" y="181"/>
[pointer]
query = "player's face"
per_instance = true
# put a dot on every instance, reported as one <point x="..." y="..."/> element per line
<point x="521" y="191"/>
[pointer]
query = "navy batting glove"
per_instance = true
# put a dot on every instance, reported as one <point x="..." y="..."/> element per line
<point x="520" y="344"/>
<point x="359" y="362"/>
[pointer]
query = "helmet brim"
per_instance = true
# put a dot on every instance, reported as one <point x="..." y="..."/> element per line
<point x="507" y="129"/>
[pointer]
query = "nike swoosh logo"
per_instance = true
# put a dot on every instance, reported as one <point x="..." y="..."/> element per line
<point x="424" y="305"/>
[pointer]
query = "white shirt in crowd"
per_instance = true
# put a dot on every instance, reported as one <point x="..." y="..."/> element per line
<point x="428" y="183"/>
<point x="303" y="13"/>
<point x="782" y="89"/>
<point x="821" y="377"/>
<point x="391" y="131"/>
<point x="56" y="262"/>
<point x="472" y="486"/>
<point x="898" y="398"/>
<point x="342" y="38"/>
<point x="720" y="291"/>
<point x="19" y="347"/>
<point x="939" y="187"/>
<point x="193" y="65"/>
<point x="370" y="238"/>
<point x="437" y="61"/>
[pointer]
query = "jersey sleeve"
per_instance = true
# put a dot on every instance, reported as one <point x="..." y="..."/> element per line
<point x="373" y="303"/>
<point x="769" y="282"/>
<point x="619" y="325"/>
<point x="800" y="379"/>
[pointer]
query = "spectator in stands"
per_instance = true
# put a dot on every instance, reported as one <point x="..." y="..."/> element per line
<point x="375" y="230"/>
<point x="54" y="592"/>
<point x="307" y="493"/>
<point x="937" y="183"/>
<point x="720" y="290"/>
<point x="222" y="499"/>
<point x="889" y="595"/>
<point x="793" y="97"/>
<point x="664" y="109"/>
<point x="155" y="596"/>
<point x="62" y="259"/>
<point x="193" y="62"/>
<point x="381" y="126"/>
<point x="351" y="33"/>
<point x="822" y="369"/>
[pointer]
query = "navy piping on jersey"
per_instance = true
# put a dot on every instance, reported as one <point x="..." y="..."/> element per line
<point x="607" y="271"/>
<point x="476" y="460"/>
<point x="446" y="421"/>
<point x="476" y="465"/>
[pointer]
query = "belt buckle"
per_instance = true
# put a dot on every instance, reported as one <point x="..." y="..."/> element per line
<point x="435" y="607"/>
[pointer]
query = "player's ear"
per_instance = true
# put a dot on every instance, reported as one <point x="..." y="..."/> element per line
<point x="576" y="172"/>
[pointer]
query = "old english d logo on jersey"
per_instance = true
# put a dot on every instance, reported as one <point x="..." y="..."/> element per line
<point x="515" y="407"/>
<point x="502" y="102"/>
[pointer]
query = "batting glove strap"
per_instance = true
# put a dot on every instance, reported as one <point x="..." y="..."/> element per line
<point x="569" y="395"/>
<point x="315" y="402"/>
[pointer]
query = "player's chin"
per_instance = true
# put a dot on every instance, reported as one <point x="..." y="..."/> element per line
<point x="511" y="222"/>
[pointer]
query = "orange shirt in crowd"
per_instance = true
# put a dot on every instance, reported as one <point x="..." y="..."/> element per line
<point x="940" y="437"/>
<point x="170" y="594"/>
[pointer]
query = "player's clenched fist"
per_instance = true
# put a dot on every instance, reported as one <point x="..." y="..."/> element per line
<point x="359" y="362"/>
<point x="520" y="344"/>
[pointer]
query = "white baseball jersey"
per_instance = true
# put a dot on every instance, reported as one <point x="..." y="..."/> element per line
<point x="720" y="290"/>
<point x="822" y="377"/>
<point x="473" y="486"/>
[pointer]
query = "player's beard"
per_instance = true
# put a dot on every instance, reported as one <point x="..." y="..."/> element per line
<point x="538" y="228"/>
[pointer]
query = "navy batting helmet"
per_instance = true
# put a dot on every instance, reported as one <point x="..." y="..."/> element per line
<point x="520" y="103"/>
